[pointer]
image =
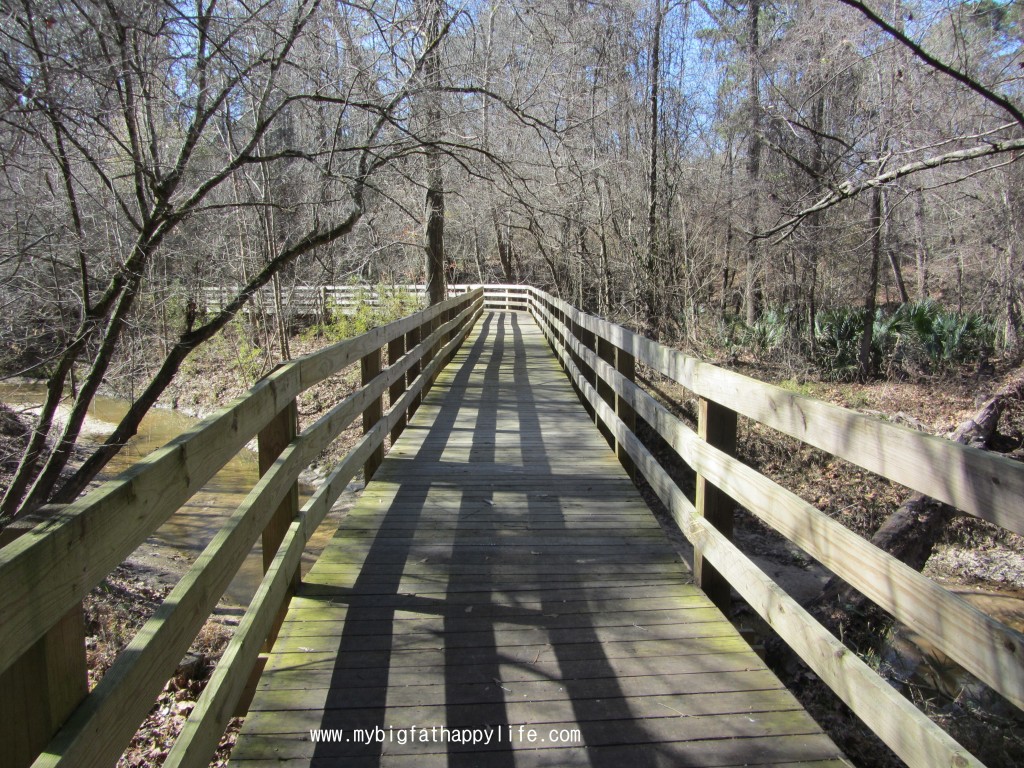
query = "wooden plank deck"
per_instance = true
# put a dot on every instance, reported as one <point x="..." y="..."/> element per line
<point x="502" y="576"/>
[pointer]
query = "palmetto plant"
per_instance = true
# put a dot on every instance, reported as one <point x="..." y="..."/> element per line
<point x="837" y="333"/>
<point x="922" y="332"/>
<point x="768" y="332"/>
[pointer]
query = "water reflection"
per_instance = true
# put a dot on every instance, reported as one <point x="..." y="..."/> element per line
<point x="923" y="666"/>
<point x="180" y="540"/>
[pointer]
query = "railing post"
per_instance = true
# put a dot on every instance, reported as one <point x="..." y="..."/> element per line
<point x="586" y="339"/>
<point x="606" y="351"/>
<point x="716" y="425"/>
<point x="412" y="339"/>
<point x="271" y="441"/>
<point x="396" y="348"/>
<point x="45" y="685"/>
<point x="625" y="364"/>
<point x="370" y="367"/>
<point x="564" y="320"/>
<point x="428" y="328"/>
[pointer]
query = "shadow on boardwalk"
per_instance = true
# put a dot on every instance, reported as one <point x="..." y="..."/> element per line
<point x="501" y="578"/>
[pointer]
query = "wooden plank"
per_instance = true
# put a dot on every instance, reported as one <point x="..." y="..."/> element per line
<point x="980" y="643"/>
<point x="716" y="427"/>
<point x="121" y="699"/>
<point x="693" y="692"/>
<point x="202" y="731"/>
<point x="40" y="690"/>
<point x="272" y="441"/>
<point x="672" y="755"/>
<point x="396" y="348"/>
<point x="46" y="573"/>
<point x="370" y="367"/>
<point x="984" y="484"/>
<point x="725" y="658"/>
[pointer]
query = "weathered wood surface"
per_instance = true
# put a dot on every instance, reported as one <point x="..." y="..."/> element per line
<point x="983" y="645"/>
<point x="912" y="736"/>
<point x="48" y="571"/>
<point x="501" y="570"/>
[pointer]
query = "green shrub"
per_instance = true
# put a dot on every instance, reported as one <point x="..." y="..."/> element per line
<point x="837" y="334"/>
<point x="919" y="334"/>
<point x="768" y="332"/>
<point x="363" y="314"/>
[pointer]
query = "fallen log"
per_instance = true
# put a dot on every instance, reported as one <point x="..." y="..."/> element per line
<point x="910" y="533"/>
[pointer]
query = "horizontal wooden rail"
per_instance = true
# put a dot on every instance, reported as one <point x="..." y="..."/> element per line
<point x="318" y="300"/>
<point x="983" y="484"/>
<point x="986" y="647"/>
<point x="49" y="570"/>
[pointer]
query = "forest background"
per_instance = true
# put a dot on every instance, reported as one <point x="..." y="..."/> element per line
<point x="828" y="187"/>
<point x="826" y="181"/>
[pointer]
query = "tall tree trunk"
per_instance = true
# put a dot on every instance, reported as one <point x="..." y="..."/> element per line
<point x="1013" y="344"/>
<point x="753" y="159"/>
<point x="870" y="298"/>
<point x="504" y="247"/>
<point x="605" y="279"/>
<point x="434" y="237"/>
<point x="897" y="274"/>
<point x="652" y="288"/>
<point x="921" y="251"/>
<point x="434" y="205"/>
<point x="894" y="259"/>
<point x="730" y="231"/>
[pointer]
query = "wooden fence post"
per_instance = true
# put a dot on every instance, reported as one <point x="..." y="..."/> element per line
<point x="716" y="424"/>
<point x="271" y="441"/>
<point x="370" y="367"/>
<point x="412" y="339"/>
<point x="606" y="351"/>
<point x="428" y="328"/>
<point x="396" y="348"/>
<point x="625" y="364"/>
<point x="43" y="687"/>
<point x="586" y="339"/>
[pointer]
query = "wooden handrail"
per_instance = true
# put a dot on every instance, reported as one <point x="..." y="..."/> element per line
<point x="316" y="299"/>
<point x="50" y="569"/>
<point x="986" y="647"/>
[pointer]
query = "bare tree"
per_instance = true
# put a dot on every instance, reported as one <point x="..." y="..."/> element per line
<point x="152" y="129"/>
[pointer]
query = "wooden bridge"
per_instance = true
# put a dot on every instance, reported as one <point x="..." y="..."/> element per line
<point x="500" y="594"/>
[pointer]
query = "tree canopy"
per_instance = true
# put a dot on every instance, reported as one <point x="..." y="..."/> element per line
<point x="673" y="164"/>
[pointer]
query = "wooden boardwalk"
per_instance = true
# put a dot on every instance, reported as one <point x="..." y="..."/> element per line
<point x="499" y="578"/>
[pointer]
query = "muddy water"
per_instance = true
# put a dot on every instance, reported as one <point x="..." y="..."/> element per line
<point x="169" y="551"/>
<point x="925" y="667"/>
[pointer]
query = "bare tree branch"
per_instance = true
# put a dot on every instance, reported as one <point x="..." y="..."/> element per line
<point x="849" y="189"/>
<point x="961" y="77"/>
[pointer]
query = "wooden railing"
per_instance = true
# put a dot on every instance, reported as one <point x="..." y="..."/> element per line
<point x="599" y="357"/>
<point x="320" y="300"/>
<point x="45" y="714"/>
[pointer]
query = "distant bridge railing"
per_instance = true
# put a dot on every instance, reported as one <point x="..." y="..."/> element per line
<point x="47" y="717"/>
<point x="319" y="301"/>
<point x="600" y="357"/>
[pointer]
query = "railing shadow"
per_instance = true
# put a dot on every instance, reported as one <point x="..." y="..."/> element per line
<point x="488" y="588"/>
<point x="365" y="674"/>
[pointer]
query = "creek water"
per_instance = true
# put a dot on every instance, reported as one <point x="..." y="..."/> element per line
<point x="174" y="545"/>
<point x="936" y="675"/>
